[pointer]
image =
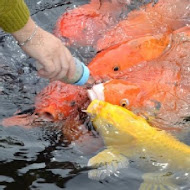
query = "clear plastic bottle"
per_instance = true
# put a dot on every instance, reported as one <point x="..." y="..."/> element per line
<point x="81" y="75"/>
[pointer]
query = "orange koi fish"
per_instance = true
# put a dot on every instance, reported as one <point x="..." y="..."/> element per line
<point x="164" y="16"/>
<point x="108" y="63"/>
<point x="159" y="101"/>
<point x="112" y="62"/>
<point x="86" y="24"/>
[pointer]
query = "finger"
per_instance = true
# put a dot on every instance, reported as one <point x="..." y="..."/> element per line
<point x="71" y="63"/>
<point x="52" y="70"/>
<point x="42" y="73"/>
<point x="60" y="76"/>
<point x="72" y="69"/>
<point x="58" y="68"/>
<point x="63" y="71"/>
<point x="47" y="70"/>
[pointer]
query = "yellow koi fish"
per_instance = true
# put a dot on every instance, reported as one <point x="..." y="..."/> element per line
<point x="128" y="136"/>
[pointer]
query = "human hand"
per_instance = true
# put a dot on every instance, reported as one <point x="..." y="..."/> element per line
<point x="56" y="61"/>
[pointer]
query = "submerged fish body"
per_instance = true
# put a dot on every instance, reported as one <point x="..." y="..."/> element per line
<point x="128" y="136"/>
<point x="87" y="23"/>
<point x="99" y="23"/>
<point x="164" y="16"/>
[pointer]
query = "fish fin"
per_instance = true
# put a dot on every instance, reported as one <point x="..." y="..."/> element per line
<point x="106" y="163"/>
<point x="157" y="181"/>
<point x="24" y="121"/>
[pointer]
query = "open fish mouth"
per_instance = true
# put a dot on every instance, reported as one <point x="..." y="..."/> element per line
<point x="96" y="92"/>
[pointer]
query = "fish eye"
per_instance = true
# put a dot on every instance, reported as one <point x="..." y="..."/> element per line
<point x="124" y="102"/>
<point x="116" y="68"/>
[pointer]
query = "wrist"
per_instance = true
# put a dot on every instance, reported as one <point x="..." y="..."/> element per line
<point x="24" y="33"/>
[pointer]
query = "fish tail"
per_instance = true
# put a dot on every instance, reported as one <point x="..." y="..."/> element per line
<point x="157" y="181"/>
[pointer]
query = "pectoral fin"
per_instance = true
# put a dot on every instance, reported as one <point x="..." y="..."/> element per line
<point x="106" y="163"/>
<point x="157" y="181"/>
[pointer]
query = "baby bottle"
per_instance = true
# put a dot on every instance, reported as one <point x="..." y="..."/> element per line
<point x="81" y="75"/>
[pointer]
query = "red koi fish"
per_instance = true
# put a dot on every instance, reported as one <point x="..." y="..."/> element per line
<point x="86" y="24"/>
<point x="164" y="16"/>
<point x="59" y="103"/>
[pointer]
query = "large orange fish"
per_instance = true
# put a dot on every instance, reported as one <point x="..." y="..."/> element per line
<point x="164" y="16"/>
<point x="86" y="24"/>
<point x="108" y="63"/>
<point x="112" y="62"/>
<point x="158" y="100"/>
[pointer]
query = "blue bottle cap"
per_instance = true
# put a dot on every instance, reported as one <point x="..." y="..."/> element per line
<point x="85" y="76"/>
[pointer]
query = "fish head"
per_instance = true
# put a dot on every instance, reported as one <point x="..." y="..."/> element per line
<point x="109" y="63"/>
<point x="139" y="97"/>
<point x="112" y="62"/>
<point x="113" y="121"/>
<point x="116" y="91"/>
<point x="101" y="118"/>
<point x="58" y="100"/>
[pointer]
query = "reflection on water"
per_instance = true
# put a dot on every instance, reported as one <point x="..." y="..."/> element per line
<point x="39" y="158"/>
